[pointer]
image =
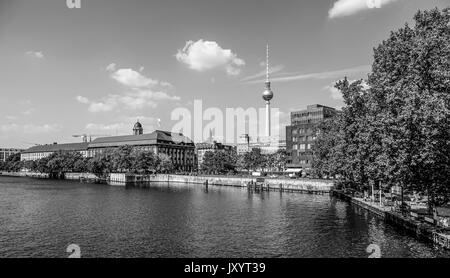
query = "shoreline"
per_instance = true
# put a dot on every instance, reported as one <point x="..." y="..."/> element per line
<point x="417" y="228"/>
<point x="252" y="183"/>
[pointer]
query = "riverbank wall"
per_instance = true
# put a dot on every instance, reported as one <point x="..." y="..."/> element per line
<point x="419" y="229"/>
<point x="264" y="184"/>
<point x="311" y="186"/>
<point x="287" y="185"/>
<point x="25" y="175"/>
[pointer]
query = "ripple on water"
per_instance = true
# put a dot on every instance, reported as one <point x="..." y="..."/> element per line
<point x="40" y="218"/>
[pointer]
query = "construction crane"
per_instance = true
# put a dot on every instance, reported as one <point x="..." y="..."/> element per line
<point x="86" y="136"/>
<point x="247" y="139"/>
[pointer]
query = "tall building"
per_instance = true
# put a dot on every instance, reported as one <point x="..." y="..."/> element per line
<point x="301" y="134"/>
<point x="5" y="153"/>
<point x="267" y="96"/>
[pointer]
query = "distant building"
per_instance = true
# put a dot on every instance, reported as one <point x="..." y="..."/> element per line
<point x="5" y="153"/>
<point x="42" y="151"/>
<point x="301" y="134"/>
<point x="203" y="148"/>
<point x="267" y="147"/>
<point x="178" y="147"/>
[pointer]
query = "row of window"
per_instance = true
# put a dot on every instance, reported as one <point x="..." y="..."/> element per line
<point x="302" y="147"/>
<point x="304" y="138"/>
<point x="302" y="131"/>
<point x="178" y="156"/>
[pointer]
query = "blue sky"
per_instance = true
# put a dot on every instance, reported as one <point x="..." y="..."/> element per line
<point x="99" y="68"/>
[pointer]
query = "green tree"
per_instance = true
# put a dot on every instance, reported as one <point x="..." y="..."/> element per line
<point x="101" y="164"/>
<point x="144" y="162"/>
<point x="164" y="163"/>
<point x="219" y="162"/>
<point x="396" y="129"/>
<point x="122" y="159"/>
<point x="410" y="86"/>
<point x="13" y="163"/>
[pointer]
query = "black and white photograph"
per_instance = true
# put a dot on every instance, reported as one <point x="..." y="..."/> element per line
<point x="235" y="131"/>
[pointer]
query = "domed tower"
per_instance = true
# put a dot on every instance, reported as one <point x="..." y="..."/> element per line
<point x="267" y="96"/>
<point x="137" y="129"/>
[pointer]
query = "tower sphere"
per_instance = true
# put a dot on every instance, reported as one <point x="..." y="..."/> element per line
<point x="268" y="94"/>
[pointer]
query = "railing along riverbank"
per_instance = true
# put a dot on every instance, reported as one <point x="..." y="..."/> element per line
<point x="419" y="229"/>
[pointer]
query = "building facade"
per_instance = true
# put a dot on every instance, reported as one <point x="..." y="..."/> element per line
<point x="301" y="134"/>
<point x="42" y="151"/>
<point x="179" y="148"/>
<point x="5" y="153"/>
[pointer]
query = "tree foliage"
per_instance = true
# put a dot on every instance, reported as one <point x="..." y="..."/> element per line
<point x="396" y="130"/>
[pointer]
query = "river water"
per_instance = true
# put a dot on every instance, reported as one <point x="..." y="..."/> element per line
<point x="40" y="218"/>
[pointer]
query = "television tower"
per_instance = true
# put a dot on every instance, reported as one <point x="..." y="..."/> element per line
<point x="268" y="96"/>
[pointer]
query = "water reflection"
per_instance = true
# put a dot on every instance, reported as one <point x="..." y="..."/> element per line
<point x="40" y="218"/>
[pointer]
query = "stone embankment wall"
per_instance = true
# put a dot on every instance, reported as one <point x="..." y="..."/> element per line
<point x="25" y="174"/>
<point x="306" y="185"/>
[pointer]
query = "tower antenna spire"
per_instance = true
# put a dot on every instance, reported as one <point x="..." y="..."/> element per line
<point x="267" y="64"/>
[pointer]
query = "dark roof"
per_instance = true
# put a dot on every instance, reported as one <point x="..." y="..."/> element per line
<point x="153" y="138"/>
<point x="214" y="145"/>
<point x="57" y="147"/>
<point x="202" y="146"/>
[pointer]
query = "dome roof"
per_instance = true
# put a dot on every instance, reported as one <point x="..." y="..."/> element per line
<point x="267" y="95"/>
<point x="137" y="125"/>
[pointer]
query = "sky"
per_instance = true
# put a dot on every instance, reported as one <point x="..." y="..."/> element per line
<point x="99" y="68"/>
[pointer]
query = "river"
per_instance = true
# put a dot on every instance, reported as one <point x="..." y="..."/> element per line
<point x="40" y="218"/>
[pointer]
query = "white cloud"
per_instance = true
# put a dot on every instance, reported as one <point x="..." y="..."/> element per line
<point x="82" y="99"/>
<point x="111" y="67"/>
<point x="30" y="128"/>
<point x="166" y="84"/>
<point x="35" y="54"/>
<point x="355" y="71"/>
<point x="11" y="118"/>
<point x="131" y="78"/>
<point x="140" y="92"/>
<point x="133" y="100"/>
<point x="349" y="7"/>
<point x="110" y="129"/>
<point x="124" y="125"/>
<point x="206" y="55"/>
<point x="272" y="70"/>
<point x="28" y="111"/>
<point x="337" y="94"/>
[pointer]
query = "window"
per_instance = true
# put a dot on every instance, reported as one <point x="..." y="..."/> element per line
<point x="302" y="147"/>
